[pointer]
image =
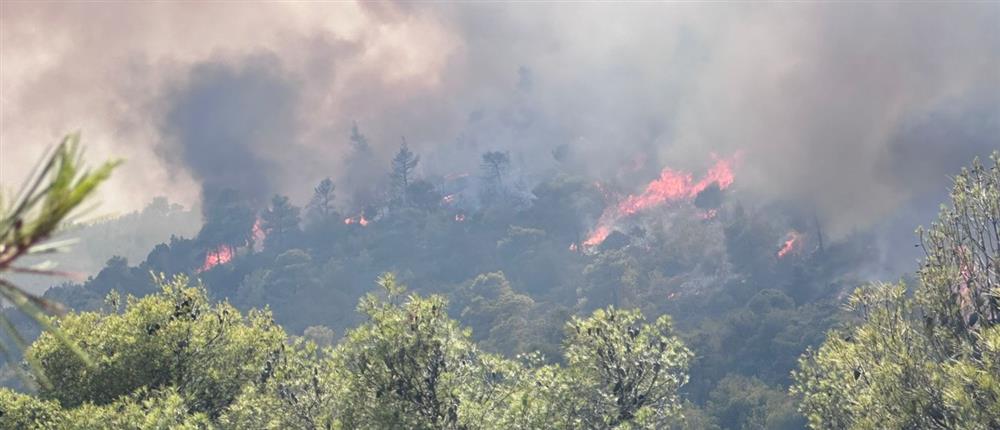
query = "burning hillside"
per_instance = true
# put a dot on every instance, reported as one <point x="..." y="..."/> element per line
<point x="792" y="243"/>
<point x="224" y="253"/>
<point x="214" y="257"/>
<point x="672" y="186"/>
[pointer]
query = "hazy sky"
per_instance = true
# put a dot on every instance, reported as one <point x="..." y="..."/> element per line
<point x="855" y="109"/>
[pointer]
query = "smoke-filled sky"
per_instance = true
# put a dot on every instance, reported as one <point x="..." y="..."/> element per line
<point x="857" y="110"/>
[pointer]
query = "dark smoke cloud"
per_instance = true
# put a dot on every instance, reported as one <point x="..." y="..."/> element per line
<point x="857" y="111"/>
<point x="225" y="124"/>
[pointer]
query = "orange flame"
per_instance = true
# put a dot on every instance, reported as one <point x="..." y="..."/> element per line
<point x="258" y="233"/>
<point x="671" y="186"/>
<point x="792" y="242"/>
<point x="360" y="220"/>
<point x="221" y="255"/>
<point x="224" y="253"/>
<point x="600" y="233"/>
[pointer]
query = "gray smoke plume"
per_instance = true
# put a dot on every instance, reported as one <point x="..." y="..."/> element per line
<point x="226" y="123"/>
<point x="855" y="110"/>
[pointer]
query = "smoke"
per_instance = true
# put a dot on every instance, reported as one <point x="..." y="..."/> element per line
<point x="821" y="99"/>
<point x="226" y="125"/>
<point x="854" y="110"/>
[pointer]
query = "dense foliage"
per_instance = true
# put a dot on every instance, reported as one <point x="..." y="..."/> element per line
<point x="931" y="359"/>
<point x="174" y="360"/>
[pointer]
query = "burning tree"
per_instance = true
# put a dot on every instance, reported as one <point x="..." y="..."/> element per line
<point x="229" y="223"/>
<point x="228" y="219"/>
<point x="671" y="186"/>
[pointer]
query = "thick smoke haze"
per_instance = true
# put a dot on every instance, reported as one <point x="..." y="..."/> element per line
<point x="855" y="111"/>
<point x="228" y="124"/>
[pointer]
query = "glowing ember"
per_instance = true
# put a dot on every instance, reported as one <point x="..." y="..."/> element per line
<point x="459" y="217"/>
<point x="258" y="233"/>
<point x="360" y="220"/>
<point x="598" y="236"/>
<point x="221" y="255"/>
<point x="573" y="247"/>
<point x="709" y="214"/>
<point x="793" y="240"/>
<point x="671" y="186"/>
<point x="449" y="199"/>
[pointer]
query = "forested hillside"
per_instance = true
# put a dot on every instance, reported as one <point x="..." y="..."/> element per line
<point x="362" y="214"/>
<point x="692" y="311"/>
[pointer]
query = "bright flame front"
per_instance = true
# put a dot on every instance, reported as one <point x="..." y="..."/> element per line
<point x="671" y="186"/>
<point x="221" y="255"/>
<point x="792" y="241"/>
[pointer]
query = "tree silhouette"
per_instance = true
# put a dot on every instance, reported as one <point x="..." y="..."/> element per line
<point x="403" y="165"/>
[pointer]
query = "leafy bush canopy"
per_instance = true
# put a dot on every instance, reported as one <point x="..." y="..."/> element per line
<point x="175" y="360"/>
<point x="930" y="359"/>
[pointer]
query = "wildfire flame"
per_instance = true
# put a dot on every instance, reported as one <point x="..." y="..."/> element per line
<point x="671" y="186"/>
<point x="792" y="241"/>
<point x="221" y="255"/>
<point x="600" y="233"/>
<point x="459" y="217"/>
<point x="258" y="233"/>
<point x="224" y="253"/>
<point x="449" y="199"/>
<point x="360" y="220"/>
